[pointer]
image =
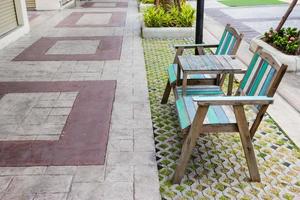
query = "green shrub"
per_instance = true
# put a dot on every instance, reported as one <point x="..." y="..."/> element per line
<point x="148" y="1"/>
<point x="286" y="40"/>
<point x="158" y="17"/>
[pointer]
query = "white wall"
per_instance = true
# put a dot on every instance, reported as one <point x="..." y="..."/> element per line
<point x="23" y="25"/>
<point x="47" y="4"/>
<point x="51" y="4"/>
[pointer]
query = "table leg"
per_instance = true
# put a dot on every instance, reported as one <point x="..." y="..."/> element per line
<point x="178" y="75"/>
<point x="230" y="84"/>
<point x="218" y="79"/>
<point x="184" y="83"/>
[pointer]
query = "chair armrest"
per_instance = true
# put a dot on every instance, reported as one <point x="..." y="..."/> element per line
<point x="233" y="100"/>
<point x="191" y="46"/>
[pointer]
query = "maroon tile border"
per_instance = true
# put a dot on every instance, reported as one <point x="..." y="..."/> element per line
<point x="84" y="138"/>
<point x="109" y="49"/>
<point x="118" y="19"/>
<point x="92" y="5"/>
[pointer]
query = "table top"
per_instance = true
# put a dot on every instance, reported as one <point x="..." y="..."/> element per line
<point x="210" y="64"/>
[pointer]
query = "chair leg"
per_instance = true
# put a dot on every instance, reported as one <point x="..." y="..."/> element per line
<point x="166" y="94"/>
<point x="246" y="142"/>
<point x="189" y="143"/>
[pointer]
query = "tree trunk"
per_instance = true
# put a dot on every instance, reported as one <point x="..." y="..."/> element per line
<point x="167" y="4"/>
<point x="286" y="15"/>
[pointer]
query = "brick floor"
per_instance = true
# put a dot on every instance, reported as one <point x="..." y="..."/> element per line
<point x="129" y="171"/>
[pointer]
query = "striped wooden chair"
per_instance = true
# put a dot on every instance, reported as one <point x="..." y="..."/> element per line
<point x="210" y="114"/>
<point x="229" y="44"/>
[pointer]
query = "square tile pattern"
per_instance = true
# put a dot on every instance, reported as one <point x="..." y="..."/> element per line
<point x="105" y="5"/>
<point x="40" y="109"/>
<point x="73" y="49"/>
<point x="94" y="19"/>
<point x="34" y="116"/>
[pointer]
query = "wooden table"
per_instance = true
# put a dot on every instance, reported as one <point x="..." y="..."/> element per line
<point x="208" y="64"/>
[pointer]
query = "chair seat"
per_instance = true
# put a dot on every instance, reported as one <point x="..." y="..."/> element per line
<point x="216" y="115"/>
<point x="195" y="90"/>
<point x="172" y="73"/>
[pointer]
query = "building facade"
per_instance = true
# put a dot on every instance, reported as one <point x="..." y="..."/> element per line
<point x="13" y="21"/>
<point x="48" y="4"/>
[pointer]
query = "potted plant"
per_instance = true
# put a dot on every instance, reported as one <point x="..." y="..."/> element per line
<point x="145" y="4"/>
<point x="284" y="43"/>
<point x="169" y="19"/>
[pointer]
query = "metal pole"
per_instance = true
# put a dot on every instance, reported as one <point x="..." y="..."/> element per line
<point x="199" y="21"/>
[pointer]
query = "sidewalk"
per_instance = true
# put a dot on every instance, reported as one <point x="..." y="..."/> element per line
<point x="130" y="170"/>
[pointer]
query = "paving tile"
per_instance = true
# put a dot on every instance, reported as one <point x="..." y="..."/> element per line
<point x="144" y="144"/>
<point x="60" y="111"/>
<point x="121" y="134"/>
<point x="86" y="191"/>
<point x="123" y="110"/>
<point x="68" y="96"/>
<point x="61" y="170"/>
<point x="56" y="119"/>
<point x="119" y="174"/>
<point x="118" y="190"/>
<point x="4" y="182"/>
<point x="16" y="171"/>
<point x="89" y="174"/>
<point x="74" y="47"/>
<point x="40" y="184"/>
<point x="146" y="182"/>
<point x="131" y="158"/>
<point x="56" y="196"/>
<point x="94" y="19"/>
<point x="99" y="191"/>
<point x="142" y="111"/>
<point x="17" y="196"/>
<point x="119" y="145"/>
<point x="143" y="133"/>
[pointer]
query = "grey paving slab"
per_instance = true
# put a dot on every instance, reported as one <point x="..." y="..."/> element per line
<point x="74" y="47"/>
<point x="28" y="115"/>
<point x="30" y="185"/>
<point x="56" y="196"/>
<point x="89" y="174"/>
<point x="119" y="173"/>
<point x="4" y="183"/>
<point x="94" y="19"/>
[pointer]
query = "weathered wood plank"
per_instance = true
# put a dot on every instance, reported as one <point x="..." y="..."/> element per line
<point x="233" y="100"/>
<point x="246" y="142"/>
<point x="189" y="144"/>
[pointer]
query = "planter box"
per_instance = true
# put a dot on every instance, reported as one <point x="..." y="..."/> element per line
<point x="168" y="32"/>
<point x="293" y="62"/>
<point x="144" y="6"/>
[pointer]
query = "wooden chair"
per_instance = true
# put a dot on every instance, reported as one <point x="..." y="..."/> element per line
<point x="211" y="114"/>
<point x="229" y="44"/>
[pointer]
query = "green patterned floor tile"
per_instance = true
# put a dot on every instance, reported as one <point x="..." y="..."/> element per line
<point x="217" y="169"/>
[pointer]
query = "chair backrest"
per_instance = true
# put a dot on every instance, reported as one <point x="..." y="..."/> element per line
<point x="263" y="75"/>
<point x="230" y="41"/>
